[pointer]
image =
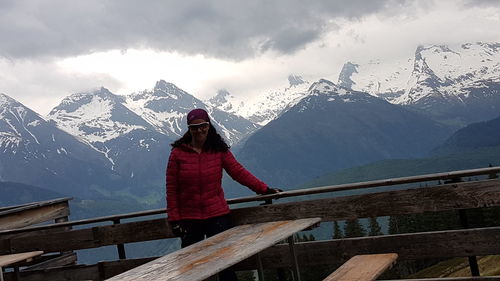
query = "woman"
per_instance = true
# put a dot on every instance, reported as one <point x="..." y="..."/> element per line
<point x="196" y="205"/>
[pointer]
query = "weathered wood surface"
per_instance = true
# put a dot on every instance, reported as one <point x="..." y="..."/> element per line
<point x="13" y="209"/>
<point x="482" y="278"/>
<point x="60" y="225"/>
<point x="32" y="214"/>
<point x="363" y="268"/>
<point x="58" y="261"/>
<point x="438" y="198"/>
<point x="86" y="238"/>
<point x="5" y="210"/>
<point x="208" y="257"/>
<point x="437" y="244"/>
<point x="463" y="195"/>
<point x="99" y="271"/>
<point x="14" y="258"/>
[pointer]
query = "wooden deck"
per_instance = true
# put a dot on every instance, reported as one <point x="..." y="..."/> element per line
<point x="208" y="257"/>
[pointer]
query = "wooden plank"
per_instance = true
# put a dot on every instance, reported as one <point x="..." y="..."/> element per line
<point x="54" y="242"/>
<point x="14" y="258"/>
<point x="363" y="268"/>
<point x="437" y="244"/>
<point x="114" y="268"/>
<point x="482" y="278"/>
<point x="85" y="221"/>
<point x="67" y="273"/>
<point x="60" y="260"/>
<point x="208" y="257"/>
<point x="453" y="196"/>
<point x="98" y="271"/>
<point x="28" y="216"/>
<point x="12" y="209"/>
<point x="87" y="238"/>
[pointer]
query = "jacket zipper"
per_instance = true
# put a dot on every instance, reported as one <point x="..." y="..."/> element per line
<point x="200" y="183"/>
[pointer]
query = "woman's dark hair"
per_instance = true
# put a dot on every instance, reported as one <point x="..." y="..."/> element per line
<point x="214" y="142"/>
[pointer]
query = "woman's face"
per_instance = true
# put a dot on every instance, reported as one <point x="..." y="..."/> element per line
<point x="199" y="130"/>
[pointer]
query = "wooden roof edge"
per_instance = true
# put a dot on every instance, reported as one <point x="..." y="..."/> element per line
<point x="19" y="208"/>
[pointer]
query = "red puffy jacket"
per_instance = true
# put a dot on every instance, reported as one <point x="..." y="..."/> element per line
<point x="194" y="188"/>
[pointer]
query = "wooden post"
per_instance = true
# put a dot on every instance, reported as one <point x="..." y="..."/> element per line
<point x="295" y="264"/>
<point x="474" y="268"/>
<point x="260" y="268"/>
<point x="120" y="247"/>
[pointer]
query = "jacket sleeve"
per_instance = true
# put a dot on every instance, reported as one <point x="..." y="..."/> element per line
<point x="240" y="174"/>
<point x="172" y="181"/>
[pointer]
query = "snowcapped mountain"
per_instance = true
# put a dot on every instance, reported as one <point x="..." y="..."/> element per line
<point x="456" y="84"/>
<point x="264" y="107"/>
<point x="34" y="151"/>
<point x="333" y="128"/>
<point x="381" y="79"/>
<point x="97" y="116"/>
<point x="133" y="147"/>
<point x="166" y="106"/>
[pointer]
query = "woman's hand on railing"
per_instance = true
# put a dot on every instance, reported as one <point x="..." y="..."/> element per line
<point x="272" y="190"/>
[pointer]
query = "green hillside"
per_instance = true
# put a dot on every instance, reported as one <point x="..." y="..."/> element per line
<point x="471" y="159"/>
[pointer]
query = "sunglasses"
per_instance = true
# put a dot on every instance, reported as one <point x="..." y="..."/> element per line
<point x="195" y="127"/>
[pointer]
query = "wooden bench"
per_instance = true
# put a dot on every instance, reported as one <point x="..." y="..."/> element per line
<point x="363" y="268"/>
<point x="15" y="258"/>
<point x="210" y="256"/>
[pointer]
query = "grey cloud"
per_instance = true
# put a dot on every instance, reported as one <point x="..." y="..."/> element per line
<point x="225" y="28"/>
<point x="495" y="3"/>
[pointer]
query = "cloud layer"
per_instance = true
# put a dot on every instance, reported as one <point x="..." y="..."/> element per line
<point x="220" y="28"/>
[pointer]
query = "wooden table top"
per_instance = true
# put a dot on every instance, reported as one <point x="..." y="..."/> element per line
<point x="210" y="256"/>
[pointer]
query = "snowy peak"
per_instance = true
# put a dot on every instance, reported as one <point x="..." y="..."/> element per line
<point x="295" y="80"/>
<point x="326" y="87"/>
<point x="386" y="80"/>
<point x="448" y="73"/>
<point x="462" y="63"/>
<point x="263" y="107"/>
<point x="17" y="123"/>
<point x="325" y="92"/>
<point x="96" y="116"/>
<point x="348" y="69"/>
<point x="223" y="100"/>
<point x="167" y="90"/>
<point x="74" y="102"/>
<point x="25" y="134"/>
<point x="6" y="100"/>
<point x="451" y="73"/>
<point x="164" y="107"/>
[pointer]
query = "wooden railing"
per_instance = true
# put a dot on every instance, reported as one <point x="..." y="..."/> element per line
<point x="455" y="195"/>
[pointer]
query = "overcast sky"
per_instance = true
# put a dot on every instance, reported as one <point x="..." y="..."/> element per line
<point x="52" y="48"/>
